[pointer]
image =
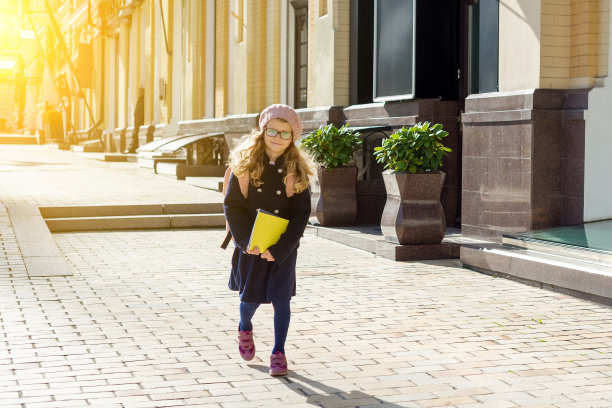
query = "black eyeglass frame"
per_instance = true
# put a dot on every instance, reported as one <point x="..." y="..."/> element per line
<point x="284" y="135"/>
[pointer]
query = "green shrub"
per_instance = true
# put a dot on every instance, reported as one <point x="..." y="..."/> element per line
<point x="332" y="147"/>
<point x="416" y="149"/>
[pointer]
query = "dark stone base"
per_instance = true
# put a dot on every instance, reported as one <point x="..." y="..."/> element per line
<point x="397" y="252"/>
<point x="523" y="161"/>
<point x="371" y="199"/>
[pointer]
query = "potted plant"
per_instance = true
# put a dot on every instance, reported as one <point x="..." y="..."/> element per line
<point x="413" y="212"/>
<point x="334" y="198"/>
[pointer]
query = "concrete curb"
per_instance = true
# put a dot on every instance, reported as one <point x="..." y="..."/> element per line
<point x="40" y="254"/>
<point x="589" y="280"/>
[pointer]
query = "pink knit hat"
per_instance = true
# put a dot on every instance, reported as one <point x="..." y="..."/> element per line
<point x="279" y="111"/>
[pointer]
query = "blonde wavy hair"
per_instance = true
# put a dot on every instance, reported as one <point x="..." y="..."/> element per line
<point x="249" y="158"/>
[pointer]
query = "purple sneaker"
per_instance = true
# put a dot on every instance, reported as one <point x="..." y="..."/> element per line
<point x="246" y="346"/>
<point x="278" y="364"/>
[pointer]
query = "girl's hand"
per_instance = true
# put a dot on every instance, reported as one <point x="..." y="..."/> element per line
<point x="254" y="251"/>
<point x="267" y="256"/>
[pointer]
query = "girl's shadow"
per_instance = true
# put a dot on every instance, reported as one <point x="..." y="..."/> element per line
<point x="327" y="396"/>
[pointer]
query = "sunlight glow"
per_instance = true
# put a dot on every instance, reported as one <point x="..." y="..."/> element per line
<point x="7" y="64"/>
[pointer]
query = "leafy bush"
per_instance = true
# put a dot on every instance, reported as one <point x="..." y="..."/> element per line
<point x="416" y="149"/>
<point x="330" y="146"/>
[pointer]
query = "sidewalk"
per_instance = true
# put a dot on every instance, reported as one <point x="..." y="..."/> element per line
<point x="146" y="319"/>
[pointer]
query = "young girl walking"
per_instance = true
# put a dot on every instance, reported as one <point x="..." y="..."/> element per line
<point x="269" y="172"/>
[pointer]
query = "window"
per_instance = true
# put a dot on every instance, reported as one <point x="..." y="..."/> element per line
<point x="483" y="46"/>
<point x="393" y="49"/>
<point x="301" y="53"/>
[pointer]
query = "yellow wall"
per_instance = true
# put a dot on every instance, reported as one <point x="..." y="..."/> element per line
<point x="341" y="27"/>
<point x="256" y="56"/>
<point x="574" y="44"/>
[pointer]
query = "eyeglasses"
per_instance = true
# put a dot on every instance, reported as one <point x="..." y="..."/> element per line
<point x="274" y="133"/>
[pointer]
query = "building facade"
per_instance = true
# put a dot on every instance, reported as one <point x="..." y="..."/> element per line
<point x="521" y="85"/>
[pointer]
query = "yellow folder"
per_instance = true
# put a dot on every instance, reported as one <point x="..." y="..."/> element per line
<point x="267" y="230"/>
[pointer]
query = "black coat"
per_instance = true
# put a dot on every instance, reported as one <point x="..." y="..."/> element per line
<point x="256" y="279"/>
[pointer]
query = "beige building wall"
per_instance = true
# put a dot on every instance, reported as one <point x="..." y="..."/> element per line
<point x="221" y="57"/>
<point x="328" y="52"/>
<point x="519" y="44"/>
<point x="123" y="61"/>
<point x="133" y="65"/>
<point x="149" y="58"/>
<point x="238" y="44"/>
<point x="165" y="58"/>
<point x="176" y="62"/>
<point x="109" y="81"/>
<point x="256" y="56"/>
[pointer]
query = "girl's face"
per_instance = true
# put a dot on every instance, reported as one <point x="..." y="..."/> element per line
<point x="276" y="146"/>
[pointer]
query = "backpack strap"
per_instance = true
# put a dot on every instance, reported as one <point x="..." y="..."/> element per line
<point x="243" y="181"/>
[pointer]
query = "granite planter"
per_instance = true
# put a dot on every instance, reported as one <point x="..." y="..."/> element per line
<point x="413" y="214"/>
<point x="333" y="196"/>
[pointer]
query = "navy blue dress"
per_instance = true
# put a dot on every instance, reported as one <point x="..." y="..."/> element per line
<point x="256" y="279"/>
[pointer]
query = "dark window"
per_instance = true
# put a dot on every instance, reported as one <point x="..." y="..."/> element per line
<point x="483" y="46"/>
<point x="416" y="49"/>
<point x="301" y="53"/>
<point x="361" y="51"/>
<point x="393" y="49"/>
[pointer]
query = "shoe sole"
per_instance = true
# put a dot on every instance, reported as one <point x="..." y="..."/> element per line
<point x="247" y="359"/>
<point x="278" y="374"/>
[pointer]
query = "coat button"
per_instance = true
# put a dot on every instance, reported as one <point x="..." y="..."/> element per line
<point x="278" y="192"/>
<point x="259" y="190"/>
<point x="275" y="211"/>
<point x="280" y="170"/>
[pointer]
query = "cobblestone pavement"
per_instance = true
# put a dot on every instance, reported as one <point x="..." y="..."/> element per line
<point x="147" y="321"/>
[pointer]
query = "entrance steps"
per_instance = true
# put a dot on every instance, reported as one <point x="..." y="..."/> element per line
<point x="123" y="217"/>
<point x="577" y="271"/>
<point x="210" y="183"/>
<point x="89" y="146"/>
<point x="18" y="139"/>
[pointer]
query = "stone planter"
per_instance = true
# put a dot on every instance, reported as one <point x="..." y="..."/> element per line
<point x="413" y="213"/>
<point x="333" y="196"/>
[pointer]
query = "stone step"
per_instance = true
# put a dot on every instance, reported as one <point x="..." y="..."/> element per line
<point x="88" y="146"/>
<point x="135" y="222"/>
<point x="75" y="211"/>
<point x="180" y="171"/>
<point x="18" y="139"/>
<point x="588" y="279"/>
<point x="210" y="183"/>
<point x="40" y="254"/>
<point x="60" y="145"/>
<point x="120" y="157"/>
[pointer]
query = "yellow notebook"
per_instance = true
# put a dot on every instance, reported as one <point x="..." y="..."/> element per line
<point x="267" y="230"/>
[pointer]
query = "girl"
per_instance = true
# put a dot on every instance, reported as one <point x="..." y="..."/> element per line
<point x="269" y="172"/>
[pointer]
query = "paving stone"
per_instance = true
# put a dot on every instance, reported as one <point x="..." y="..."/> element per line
<point x="146" y="319"/>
